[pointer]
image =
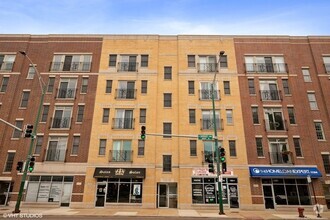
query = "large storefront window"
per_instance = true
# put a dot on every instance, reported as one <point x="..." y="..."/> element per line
<point x="123" y="190"/>
<point x="287" y="191"/>
<point x="205" y="191"/>
<point x="50" y="189"/>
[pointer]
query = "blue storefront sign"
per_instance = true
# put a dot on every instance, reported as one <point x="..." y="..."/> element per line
<point x="313" y="172"/>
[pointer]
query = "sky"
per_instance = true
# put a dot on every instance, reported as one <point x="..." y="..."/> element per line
<point x="166" y="17"/>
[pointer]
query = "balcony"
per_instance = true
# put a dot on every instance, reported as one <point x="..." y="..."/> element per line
<point x="281" y="157"/>
<point x="56" y="155"/>
<point x="207" y="67"/>
<point x="127" y="66"/>
<point x="206" y="94"/>
<point x="123" y="123"/>
<point x="209" y="157"/>
<point x="66" y="93"/>
<point x="63" y="122"/>
<point x="266" y="68"/>
<point x="327" y="67"/>
<point x="6" y="66"/>
<point x="120" y="156"/>
<point x="70" y="67"/>
<point x="272" y="95"/>
<point x="125" y="93"/>
<point x="277" y="125"/>
<point x="207" y="124"/>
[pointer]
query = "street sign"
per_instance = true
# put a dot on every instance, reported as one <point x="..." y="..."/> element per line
<point x="205" y="137"/>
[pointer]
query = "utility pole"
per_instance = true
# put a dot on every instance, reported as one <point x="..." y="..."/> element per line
<point x="29" y="155"/>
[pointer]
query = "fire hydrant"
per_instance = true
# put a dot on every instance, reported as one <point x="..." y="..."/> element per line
<point x="301" y="212"/>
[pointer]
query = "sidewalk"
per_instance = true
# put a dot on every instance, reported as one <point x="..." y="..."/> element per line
<point x="229" y="214"/>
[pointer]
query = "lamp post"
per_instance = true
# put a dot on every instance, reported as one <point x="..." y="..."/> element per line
<point x="221" y="212"/>
<point x="29" y="155"/>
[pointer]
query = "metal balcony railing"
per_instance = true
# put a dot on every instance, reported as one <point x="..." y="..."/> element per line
<point x="125" y="93"/>
<point x="123" y="123"/>
<point x="66" y="93"/>
<point x="127" y="66"/>
<point x="285" y="157"/>
<point x="207" y="67"/>
<point x="206" y="94"/>
<point x="266" y="68"/>
<point x="6" y="66"/>
<point x="70" y="67"/>
<point x="270" y="95"/>
<point x="207" y="124"/>
<point x="278" y="125"/>
<point x="57" y="155"/>
<point x="120" y="156"/>
<point x="327" y="67"/>
<point x="63" y="122"/>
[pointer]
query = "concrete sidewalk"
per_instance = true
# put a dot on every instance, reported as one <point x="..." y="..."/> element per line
<point x="229" y="214"/>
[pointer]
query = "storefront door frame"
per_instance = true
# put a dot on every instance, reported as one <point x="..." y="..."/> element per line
<point x="100" y="195"/>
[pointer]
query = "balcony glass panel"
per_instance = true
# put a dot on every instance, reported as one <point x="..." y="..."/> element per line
<point x="123" y="123"/>
<point x="127" y="66"/>
<point x="121" y="155"/>
<point x="280" y="157"/>
<point x="63" y="122"/>
<point x="270" y="95"/>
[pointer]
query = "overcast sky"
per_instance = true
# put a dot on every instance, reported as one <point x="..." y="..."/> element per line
<point x="224" y="17"/>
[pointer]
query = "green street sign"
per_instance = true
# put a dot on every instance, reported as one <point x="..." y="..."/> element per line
<point x="205" y="137"/>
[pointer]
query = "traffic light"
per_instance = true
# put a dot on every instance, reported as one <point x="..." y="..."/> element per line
<point x="143" y="132"/>
<point x="211" y="168"/>
<point x="31" y="164"/>
<point x="19" y="166"/>
<point x="222" y="155"/>
<point x="28" y="131"/>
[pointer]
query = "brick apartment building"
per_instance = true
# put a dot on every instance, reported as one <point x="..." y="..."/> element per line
<point x="271" y="105"/>
<point x="68" y="65"/>
<point x="285" y="83"/>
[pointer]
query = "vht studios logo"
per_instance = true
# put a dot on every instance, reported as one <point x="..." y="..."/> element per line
<point x="256" y="170"/>
<point x="120" y="172"/>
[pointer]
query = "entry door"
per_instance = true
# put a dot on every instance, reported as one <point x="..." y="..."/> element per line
<point x="66" y="194"/>
<point x="100" y="194"/>
<point x="167" y="195"/>
<point x="268" y="196"/>
<point x="163" y="195"/>
<point x="4" y="192"/>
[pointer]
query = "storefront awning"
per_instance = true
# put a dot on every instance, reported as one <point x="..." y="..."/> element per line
<point x="297" y="172"/>
<point x="119" y="172"/>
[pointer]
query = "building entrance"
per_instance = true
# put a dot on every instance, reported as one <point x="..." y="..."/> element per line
<point x="167" y="195"/>
<point x="100" y="194"/>
<point x="4" y="192"/>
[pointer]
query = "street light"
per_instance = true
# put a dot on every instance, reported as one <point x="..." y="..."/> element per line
<point x="221" y="212"/>
<point x="29" y="155"/>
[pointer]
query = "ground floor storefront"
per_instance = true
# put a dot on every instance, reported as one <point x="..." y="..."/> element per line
<point x="280" y="187"/>
<point x="194" y="188"/>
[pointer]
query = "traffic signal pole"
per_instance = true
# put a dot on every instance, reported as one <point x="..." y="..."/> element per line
<point x="216" y="146"/>
<point x="29" y="155"/>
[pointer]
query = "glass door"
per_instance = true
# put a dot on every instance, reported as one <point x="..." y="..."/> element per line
<point x="66" y="194"/>
<point x="268" y="196"/>
<point x="163" y="196"/>
<point x="167" y="195"/>
<point x="100" y="194"/>
<point x="4" y="192"/>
